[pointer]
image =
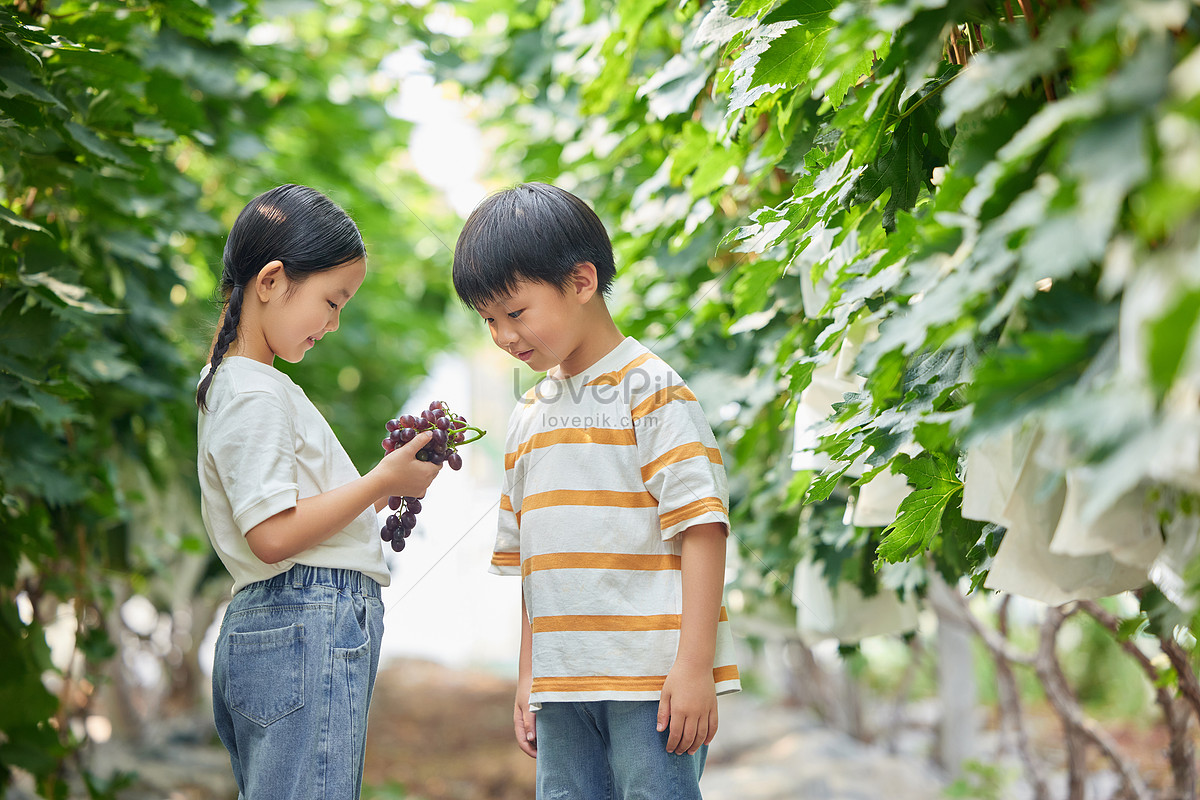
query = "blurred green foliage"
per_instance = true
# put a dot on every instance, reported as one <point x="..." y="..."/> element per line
<point x="783" y="177"/>
<point x="991" y="218"/>
<point x="131" y="134"/>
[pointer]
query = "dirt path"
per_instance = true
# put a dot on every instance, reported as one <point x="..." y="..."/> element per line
<point x="444" y="734"/>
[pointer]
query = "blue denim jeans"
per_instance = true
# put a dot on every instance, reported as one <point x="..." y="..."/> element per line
<point x="292" y="680"/>
<point x="610" y="750"/>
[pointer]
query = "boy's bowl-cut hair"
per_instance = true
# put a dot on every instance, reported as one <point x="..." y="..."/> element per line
<point x="532" y="232"/>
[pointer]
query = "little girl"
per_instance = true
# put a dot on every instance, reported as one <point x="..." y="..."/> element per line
<point x="288" y="513"/>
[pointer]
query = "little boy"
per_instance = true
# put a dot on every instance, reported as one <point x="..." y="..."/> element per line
<point x="613" y="512"/>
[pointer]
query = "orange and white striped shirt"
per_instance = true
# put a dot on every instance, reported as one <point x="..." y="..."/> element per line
<point x="603" y="471"/>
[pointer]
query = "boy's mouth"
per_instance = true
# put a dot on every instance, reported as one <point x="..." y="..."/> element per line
<point x="524" y="355"/>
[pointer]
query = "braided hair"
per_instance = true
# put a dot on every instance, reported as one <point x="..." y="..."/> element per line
<point x="295" y="225"/>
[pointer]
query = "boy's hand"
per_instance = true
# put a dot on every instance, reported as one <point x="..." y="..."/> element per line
<point x="689" y="706"/>
<point x="524" y="722"/>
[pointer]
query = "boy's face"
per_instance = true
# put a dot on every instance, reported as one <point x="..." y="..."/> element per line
<point x="537" y="324"/>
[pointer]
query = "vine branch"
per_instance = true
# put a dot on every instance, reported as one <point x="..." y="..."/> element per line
<point x="1076" y="725"/>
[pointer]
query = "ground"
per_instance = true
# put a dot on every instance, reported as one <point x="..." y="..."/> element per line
<point x="443" y="734"/>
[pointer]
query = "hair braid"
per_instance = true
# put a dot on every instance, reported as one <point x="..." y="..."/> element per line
<point x="226" y="337"/>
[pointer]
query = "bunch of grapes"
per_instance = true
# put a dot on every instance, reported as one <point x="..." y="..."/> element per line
<point x="450" y="430"/>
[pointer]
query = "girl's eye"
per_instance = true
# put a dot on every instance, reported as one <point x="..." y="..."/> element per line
<point x="332" y="304"/>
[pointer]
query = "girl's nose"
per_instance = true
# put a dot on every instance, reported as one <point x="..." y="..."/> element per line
<point x="334" y="321"/>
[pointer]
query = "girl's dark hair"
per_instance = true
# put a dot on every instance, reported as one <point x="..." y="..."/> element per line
<point x="295" y="225"/>
<point x="532" y="232"/>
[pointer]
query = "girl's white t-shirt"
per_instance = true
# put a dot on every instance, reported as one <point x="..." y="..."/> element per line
<point x="263" y="445"/>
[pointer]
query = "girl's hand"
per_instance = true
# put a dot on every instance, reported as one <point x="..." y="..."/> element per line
<point x="405" y="475"/>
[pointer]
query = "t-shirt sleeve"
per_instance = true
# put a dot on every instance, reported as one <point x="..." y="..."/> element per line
<point x="254" y="452"/>
<point x="681" y="463"/>
<point x="506" y="554"/>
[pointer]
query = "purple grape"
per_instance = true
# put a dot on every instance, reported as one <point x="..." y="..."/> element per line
<point x="447" y="430"/>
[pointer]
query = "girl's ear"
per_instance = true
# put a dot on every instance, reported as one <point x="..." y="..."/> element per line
<point x="270" y="281"/>
<point x="584" y="281"/>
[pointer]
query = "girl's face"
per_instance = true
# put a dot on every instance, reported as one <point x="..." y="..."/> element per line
<point x="295" y="315"/>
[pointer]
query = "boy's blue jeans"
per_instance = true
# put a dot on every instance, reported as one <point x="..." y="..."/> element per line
<point x="610" y="750"/>
<point x="292" y="680"/>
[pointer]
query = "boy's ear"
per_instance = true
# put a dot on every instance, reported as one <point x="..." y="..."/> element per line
<point x="584" y="281"/>
<point x="269" y="281"/>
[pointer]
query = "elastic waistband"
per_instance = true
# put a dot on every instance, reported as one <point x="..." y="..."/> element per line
<point x="302" y="575"/>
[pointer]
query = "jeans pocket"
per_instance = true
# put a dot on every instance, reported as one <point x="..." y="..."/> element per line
<point x="266" y="673"/>
<point x="351" y="653"/>
<point x="352" y="637"/>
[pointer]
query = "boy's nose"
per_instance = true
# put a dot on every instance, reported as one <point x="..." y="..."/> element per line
<point x="505" y="335"/>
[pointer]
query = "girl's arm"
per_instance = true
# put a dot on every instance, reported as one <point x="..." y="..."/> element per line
<point x="689" y="696"/>
<point x="314" y="519"/>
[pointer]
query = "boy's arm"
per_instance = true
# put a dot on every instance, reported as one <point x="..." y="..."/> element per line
<point x="689" y="698"/>
<point x="524" y="723"/>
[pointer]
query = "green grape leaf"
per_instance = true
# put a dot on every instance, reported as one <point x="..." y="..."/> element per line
<point x="16" y="81"/>
<point x="803" y="11"/>
<point x="1016" y="379"/>
<point x="71" y="294"/>
<point x="1169" y="338"/>
<point x="784" y="61"/>
<point x="97" y="146"/>
<point x="919" y="516"/>
<point x="752" y="288"/>
<point x="17" y="221"/>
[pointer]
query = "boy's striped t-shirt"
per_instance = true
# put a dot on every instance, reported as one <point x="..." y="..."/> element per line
<point x="603" y="471"/>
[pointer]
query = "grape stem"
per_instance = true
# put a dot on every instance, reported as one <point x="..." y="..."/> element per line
<point x="479" y="432"/>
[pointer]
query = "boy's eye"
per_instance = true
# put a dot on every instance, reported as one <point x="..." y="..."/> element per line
<point x="514" y="314"/>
